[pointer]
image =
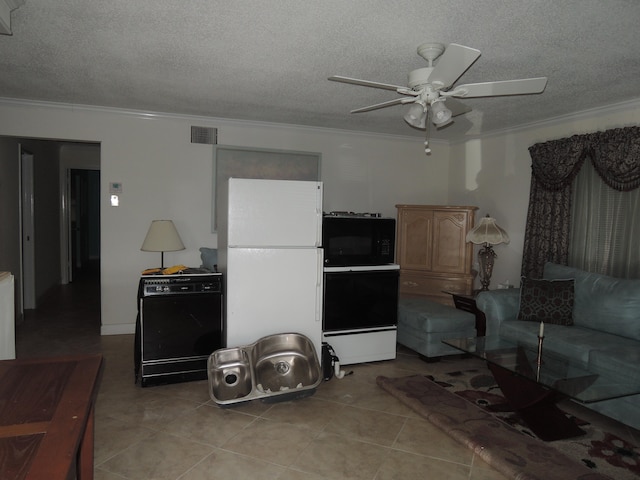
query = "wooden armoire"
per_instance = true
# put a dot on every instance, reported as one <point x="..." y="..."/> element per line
<point x="432" y="250"/>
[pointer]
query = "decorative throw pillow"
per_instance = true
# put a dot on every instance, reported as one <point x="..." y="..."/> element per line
<point x="209" y="257"/>
<point x="549" y="301"/>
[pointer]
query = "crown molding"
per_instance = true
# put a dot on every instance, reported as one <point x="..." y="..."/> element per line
<point x="614" y="108"/>
<point x="611" y="109"/>
<point x="213" y="121"/>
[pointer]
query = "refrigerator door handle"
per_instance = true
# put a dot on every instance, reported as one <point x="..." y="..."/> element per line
<point x="319" y="283"/>
<point x="319" y="214"/>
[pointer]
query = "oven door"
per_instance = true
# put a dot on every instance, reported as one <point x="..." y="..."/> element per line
<point x="360" y="297"/>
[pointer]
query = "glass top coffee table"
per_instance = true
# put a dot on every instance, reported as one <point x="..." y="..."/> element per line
<point x="533" y="383"/>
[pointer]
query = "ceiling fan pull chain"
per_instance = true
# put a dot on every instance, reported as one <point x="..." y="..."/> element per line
<point x="427" y="148"/>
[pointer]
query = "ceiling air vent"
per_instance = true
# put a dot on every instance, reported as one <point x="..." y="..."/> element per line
<point x="205" y="135"/>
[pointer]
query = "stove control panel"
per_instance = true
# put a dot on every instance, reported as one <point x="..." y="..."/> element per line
<point x="175" y="285"/>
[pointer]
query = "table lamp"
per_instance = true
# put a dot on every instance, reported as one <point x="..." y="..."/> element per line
<point x="162" y="237"/>
<point x="487" y="233"/>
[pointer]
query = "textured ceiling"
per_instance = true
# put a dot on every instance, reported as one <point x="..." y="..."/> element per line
<point x="269" y="60"/>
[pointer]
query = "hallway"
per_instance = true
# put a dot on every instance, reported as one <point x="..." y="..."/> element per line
<point x="67" y="321"/>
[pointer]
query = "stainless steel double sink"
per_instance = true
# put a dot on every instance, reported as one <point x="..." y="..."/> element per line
<point x="277" y="367"/>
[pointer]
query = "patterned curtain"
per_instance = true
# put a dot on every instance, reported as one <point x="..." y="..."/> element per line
<point x="615" y="155"/>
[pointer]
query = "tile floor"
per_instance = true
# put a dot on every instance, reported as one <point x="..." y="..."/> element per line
<point x="350" y="429"/>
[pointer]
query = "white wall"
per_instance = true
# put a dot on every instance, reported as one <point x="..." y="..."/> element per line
<point x="9" y="212"/>
<point x="165" y="176"/>
<point x="494" y="173"/>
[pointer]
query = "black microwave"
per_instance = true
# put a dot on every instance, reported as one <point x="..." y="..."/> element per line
<point x="353" y="240"/>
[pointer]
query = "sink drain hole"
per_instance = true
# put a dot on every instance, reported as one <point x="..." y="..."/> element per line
<point x="231" y="379"/>
<point x="282" y="368"/>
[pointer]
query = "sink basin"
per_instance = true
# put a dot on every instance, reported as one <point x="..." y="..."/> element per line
<point x="230" y="374"/>
<point x="283" y="366"/>
<point x="284" y="362"/>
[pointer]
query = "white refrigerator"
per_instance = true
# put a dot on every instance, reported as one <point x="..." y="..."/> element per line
<point x="269" y="237"/>
<point x="7" y="317"/>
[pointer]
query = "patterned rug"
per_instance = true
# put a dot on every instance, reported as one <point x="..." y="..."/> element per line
<point x="478" y="416"/>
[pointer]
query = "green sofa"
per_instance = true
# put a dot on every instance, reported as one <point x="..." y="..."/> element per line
<point x="604" y="337"/>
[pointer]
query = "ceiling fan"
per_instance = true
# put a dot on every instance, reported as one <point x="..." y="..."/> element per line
<point x="430" y="87"/>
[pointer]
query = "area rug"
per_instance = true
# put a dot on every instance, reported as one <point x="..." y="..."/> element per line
<point x="500" y="438"/>
<point x="600" y="451"/>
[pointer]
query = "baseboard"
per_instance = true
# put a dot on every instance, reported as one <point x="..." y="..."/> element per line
<point x="118" y="329"/>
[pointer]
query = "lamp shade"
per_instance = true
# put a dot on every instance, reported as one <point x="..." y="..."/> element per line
<point x="487" y="231"/>
<point x="416" y="115"/>
<point x="162" y="237"/>
<point x="441" y="114"/>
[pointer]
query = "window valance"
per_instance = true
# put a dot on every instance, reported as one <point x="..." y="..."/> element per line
<point x="615" y="155"/>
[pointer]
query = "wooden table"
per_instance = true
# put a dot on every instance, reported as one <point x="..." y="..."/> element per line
<point x="47" y="417"/>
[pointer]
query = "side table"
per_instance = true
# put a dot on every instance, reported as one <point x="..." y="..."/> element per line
<point x="47" y="417"/>
<point x="468" y="304"/>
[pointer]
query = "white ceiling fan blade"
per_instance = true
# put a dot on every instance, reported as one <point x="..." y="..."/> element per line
<point x="455" y="60"/>
<point x="495" y="89"/>
<point x="389" y="103"/>
<point x="457" y="107"/>
<point x="366" y="83"/>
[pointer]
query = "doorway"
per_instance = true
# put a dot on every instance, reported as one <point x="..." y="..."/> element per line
<point x="27" y="247"/>
<point x="66" y="314"/>
<point x="42" y="206"/>
<point x="84" y="215"/>
<point x="80" y="210"/>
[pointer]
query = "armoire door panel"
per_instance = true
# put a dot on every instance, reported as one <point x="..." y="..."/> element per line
<point x="416" y="240"/>
<point x="432" y="250"/>
<point x="449" y="242"/>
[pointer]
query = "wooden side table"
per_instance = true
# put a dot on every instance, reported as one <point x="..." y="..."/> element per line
<point x="47" y="417"/>
<point x="468" y="304"/>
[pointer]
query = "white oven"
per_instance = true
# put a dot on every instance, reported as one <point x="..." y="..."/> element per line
<point x="360" y="312"/>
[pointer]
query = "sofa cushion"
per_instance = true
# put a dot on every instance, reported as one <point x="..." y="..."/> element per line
<point x="209" y="257"/>
<point x="423" y="324"/>
<point x="602" y="303"/>
<point x="428" y="316"/>
<point x="578" y="343"/>
<point x="617" y="360"/>
<point x="498" y="306"/>
<point x="549" y="301"/>
<point x="574" y="342"/>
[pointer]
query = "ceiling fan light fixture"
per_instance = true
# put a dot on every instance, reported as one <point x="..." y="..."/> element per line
<point x="441" y="115"/>
<point x="428" y="87"/>
<point x="416" y="115"/>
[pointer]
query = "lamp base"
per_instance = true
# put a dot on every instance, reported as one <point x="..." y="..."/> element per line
<point x="486" y="257"/>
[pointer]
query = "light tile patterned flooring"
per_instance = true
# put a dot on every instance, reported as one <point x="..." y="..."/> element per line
<point x="350" y="429"/>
